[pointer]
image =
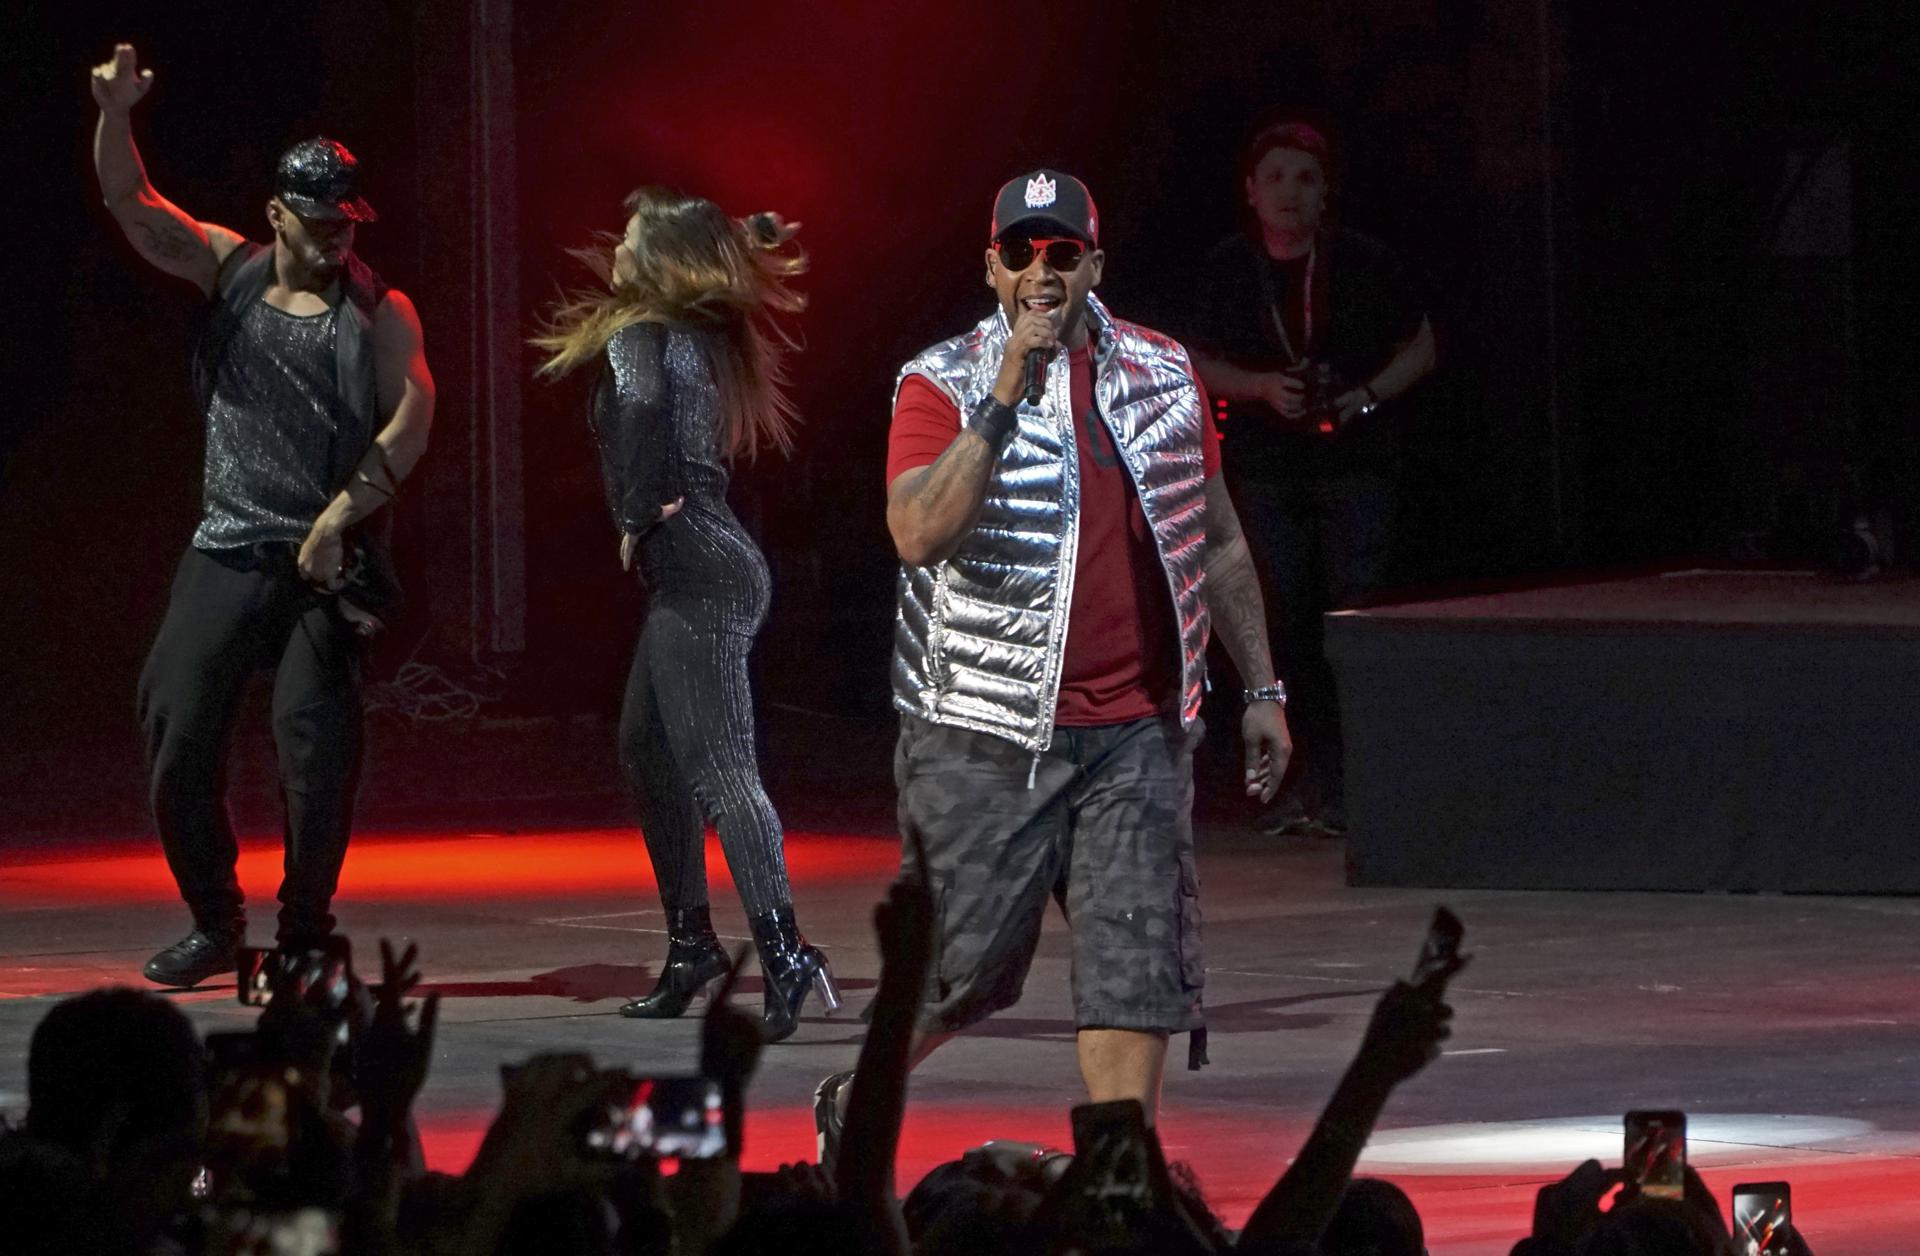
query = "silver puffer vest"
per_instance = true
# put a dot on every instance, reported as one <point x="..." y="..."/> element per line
<point x="980" y="638"/>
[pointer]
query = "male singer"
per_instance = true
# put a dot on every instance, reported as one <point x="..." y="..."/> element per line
<point x="1054" y="493"/>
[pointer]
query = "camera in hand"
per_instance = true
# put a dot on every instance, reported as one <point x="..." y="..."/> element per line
<point x="663" y="1117"/>
<point x="1322" y="387"/>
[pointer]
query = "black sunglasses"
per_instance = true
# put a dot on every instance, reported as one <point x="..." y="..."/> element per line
<point x="1063" y="254"/>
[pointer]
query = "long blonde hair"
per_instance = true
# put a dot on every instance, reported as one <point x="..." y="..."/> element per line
<point x="695" y="265"/>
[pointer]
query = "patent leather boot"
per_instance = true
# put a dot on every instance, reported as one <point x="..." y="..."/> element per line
<point x="696" y="962"/>
<point x="792" y="968"/>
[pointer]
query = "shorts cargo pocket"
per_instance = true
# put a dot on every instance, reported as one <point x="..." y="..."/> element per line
<point x="1193" y="956"/>
<point x="912" y="732"/>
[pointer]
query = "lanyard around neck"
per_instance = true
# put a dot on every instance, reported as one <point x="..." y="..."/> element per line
<point x="1274" y="299"/>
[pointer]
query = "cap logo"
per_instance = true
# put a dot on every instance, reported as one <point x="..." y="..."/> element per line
<point x="1041" y="191"/>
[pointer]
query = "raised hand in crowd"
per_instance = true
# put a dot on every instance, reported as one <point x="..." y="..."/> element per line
<point x="1638" y="1222"/>
<point x="870" y="1138"/>
<point x="301" y="1027"/>
<point x="1403" y="1037"/>
<point x="705" y="1194"/>
<point x="730" y="1045"/>
<point x="806" y="1180"/>
<point x="391" y="1058"/>
<point x="1700" y="1200"/>
<point x="397" y="1048"/>
<point x="1117" y="1197"/>
<point x="532" y="1149"/>
<point x="1564" y="1211"/>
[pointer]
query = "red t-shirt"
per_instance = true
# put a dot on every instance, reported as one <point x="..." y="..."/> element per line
<point x="1123" y="652"/>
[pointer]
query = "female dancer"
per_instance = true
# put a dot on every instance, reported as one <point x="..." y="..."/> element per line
<point x="692" y="378"/>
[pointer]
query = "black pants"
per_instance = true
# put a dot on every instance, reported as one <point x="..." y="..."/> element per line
<point x="686" y="746"/>
<point x="1321" y="546"/>
<point x="227" y="619"/>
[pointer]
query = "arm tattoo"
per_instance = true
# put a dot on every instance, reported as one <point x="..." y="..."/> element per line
<point x="962" y="460"/>
<point x="173" y="242"/>
<point x="1233" y="597"/>
<point x="943" y="503"/>
<point x="1233" y="591"/>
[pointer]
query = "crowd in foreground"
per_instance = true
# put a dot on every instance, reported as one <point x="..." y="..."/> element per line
<point x="298" y="1137"/>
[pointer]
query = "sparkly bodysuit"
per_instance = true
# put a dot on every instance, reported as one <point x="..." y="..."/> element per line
<point x="686" y="728"/>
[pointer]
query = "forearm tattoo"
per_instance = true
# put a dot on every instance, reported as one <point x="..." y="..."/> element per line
<point x="1233" y="598"/>
<point x="963" y="460"/>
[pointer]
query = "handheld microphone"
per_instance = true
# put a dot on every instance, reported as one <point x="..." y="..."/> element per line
<point x="1033" y="378"/>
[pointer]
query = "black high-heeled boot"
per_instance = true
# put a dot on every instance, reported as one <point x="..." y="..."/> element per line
<point x="695" y="962"/>
<point x="791" y="967"/>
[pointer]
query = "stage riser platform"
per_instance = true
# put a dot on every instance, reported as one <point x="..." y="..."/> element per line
<point x="1679" y="756"/>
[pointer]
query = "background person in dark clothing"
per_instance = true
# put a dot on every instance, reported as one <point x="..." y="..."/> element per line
<point x="1310" y="331"/>
<point x="317" y="400"/>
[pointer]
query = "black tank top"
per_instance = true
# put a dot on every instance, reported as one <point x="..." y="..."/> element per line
<point x="280" y="441"/>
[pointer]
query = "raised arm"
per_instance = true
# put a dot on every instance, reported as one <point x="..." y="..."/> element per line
<point x="870" y="1139"/>
<point x="405" y="390"/>
<point x="1403" y="1037"/>
<point x="1240" y="616"/>
<point x="159" y="230"/>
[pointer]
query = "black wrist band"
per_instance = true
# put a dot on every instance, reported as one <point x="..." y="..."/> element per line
<point x="992" y="422"/>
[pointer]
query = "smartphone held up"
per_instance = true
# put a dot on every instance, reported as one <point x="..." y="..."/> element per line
<point x="662" y="1117"/>
<point x="1656" y="1152"/>
<point x="1440" y="955"/>
<point x="1762" y="1218"/>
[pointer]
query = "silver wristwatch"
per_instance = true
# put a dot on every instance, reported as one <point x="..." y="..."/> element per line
<point x="1276" y="692"/>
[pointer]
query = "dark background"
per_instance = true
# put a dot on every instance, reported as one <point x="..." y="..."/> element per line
<point x="1644" y="361"/>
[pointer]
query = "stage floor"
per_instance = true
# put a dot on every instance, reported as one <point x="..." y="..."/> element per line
<point x="1786" y="1027"/>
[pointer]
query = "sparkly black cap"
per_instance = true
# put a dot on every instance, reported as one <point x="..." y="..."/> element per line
<point x="316" y="177"/>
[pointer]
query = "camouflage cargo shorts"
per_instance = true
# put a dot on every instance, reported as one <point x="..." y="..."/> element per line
<point x="1106" y="829"/>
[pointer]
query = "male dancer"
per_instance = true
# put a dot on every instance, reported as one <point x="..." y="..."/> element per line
<point x="1063" y="548"/>
<point x="317" y="400"/>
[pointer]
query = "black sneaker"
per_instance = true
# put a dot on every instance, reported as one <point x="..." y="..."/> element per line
<point x="192" y="960"/>
<point x="828" y="1119"/>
